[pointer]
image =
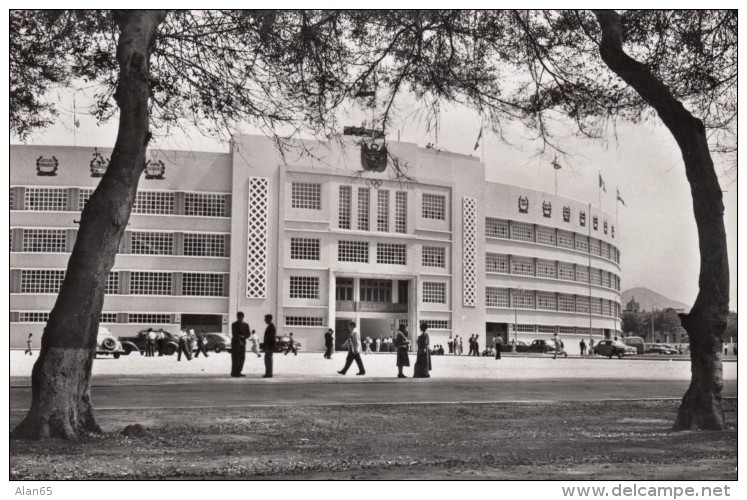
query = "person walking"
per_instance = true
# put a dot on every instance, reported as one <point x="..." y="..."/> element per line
<point x="150" y="343"/>
<point x="367" y="343"/>
<point x="497" y="344"/>
<point x="201" y="344"/>
<point x="254" y="343"/>
<point x="423" y="359"/>
<point x="582" y="347"/>
<point x="353" y="344"/>
<point x="29" y="341"/>
<point x="558" y="347"/>
<point x="477" y="345"/>
<point x="328" y="344"/>
<point x="269" y="345"/>
<point x="402" y="341"/>
<point x="184" y="346"/>
<point x="239" y="334"/>
<point x="291" y="346"/>
<point x="160" y="341"/>
<point x="591" y="347"/>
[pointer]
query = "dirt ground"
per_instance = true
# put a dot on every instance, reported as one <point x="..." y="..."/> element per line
<point x="526" y="441"/>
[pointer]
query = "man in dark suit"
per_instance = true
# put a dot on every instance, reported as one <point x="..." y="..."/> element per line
<point x="269" y="345"/>
<point x="239" y="334"/>
<point x="328" y="344"/>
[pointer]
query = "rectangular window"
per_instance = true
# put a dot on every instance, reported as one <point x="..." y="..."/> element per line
<point x="84" y="194"/>
<point x="391" y="253"/>
<point x="434" y="257"/>
<point x="382" y="210"/>
<point x="596" y="305"/>
<point x="150" y="283"/>
<point x="41" y="280"/>
<point x="112" y="283"/>
<point x="594" y="246"/>
<point x="12" y="199"/>
<point x="566" y="330"/>
<point x="582" y="243"/>
<point x="596" y="276"/>
<point x="344" y="288"/>
<point x="151" y="243"/>
<point x="606" y="309"/>
<point x="108" y="318"/>
<point x="204" y="245"/>
<point x="496" y="297"/>
<point x="306" y="195"/>
<point x="434" y="293"/>
<point x="303" y="321"/>
<point x="304" y="249"/>
<point x="496" y="263"/>
<point x="45" y="199"/>
<point x="566" y="303"/>
<point x="154" y="203"/>
<point x="400" y="212"/>
<point x="33" y="317"/>
<point x="546" y="268"/>
<point x="565" y="271"/>
<point x="522" y="299"/>
<point x="148" y="318"/>
<point x="364" y="206"/>
<point x="550" y="330"/>
<point x="304" y="287"/>
<point x="565" y="239"/>
<point x="582" y="331"/>
<point x="546" y="301"/>
<point x="524" y="328"/>
<point x="496" y="228"/>
<point x="372" y="290"/>
<point x="582" y="304"/>
<point x="203" y="284"/>
<point x="352" y="251"/>
<point x="205" y="204"/>
<point x="605" y="250"/>
<point x="434" y="206"/>
<point x="45" y="240"/>
<point x="437" y="324"/>
<point x="546" y="236"/>
<point x="522" y="231"/>
<point x="582" y="274"/>
<point x="523" y="266"/>
<point x="345" y="207"/>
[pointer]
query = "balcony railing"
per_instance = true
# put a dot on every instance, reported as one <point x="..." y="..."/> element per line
<point x="364" y="306"/>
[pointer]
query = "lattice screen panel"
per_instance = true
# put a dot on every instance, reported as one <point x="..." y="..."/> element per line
<point x="469" y="274"/>
<point x="256" y="245"/>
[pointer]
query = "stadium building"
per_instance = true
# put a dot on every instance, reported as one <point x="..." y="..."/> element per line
<point x="319" y="234"/>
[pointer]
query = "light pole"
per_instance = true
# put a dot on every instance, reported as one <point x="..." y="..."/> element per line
<point x="556" y="166"/>
<point x="652" y="321"/>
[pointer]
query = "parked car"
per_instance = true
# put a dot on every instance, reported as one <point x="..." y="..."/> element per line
<point x="611" y="348"/>
<point x="217" y="342"/>
<point x="659" y="349"/>
<point x="281" y="343"/>
<point x="107" y="344"/>
<point x="541" y="346"/>
<point x="136" y="343"/>
<point x="521" y="346"/>
<point x="636" y="342"/>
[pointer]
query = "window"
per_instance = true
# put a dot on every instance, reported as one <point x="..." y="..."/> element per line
<point x="344" y="289"/>
<point x="546" y="301"/>
<point x="364" y="206"/>
<point x="523" y="266"/>
<point x="521" y="231"/>
<point x="391" y="253"/>
<point x="434" y="257"/>
<point x="12" y="199"/>
<point x="596" y="276"/>
<point x="84" y="194"/>
<point x="496" y="263"/>
<point x="151" y="243"/>
<point x="546" y="268"/>
<point x="203" y="284"/>
<point x="582" y="274"/>
<point x="605" y="250"/>
<point x="41" y="280"/>
<point x="306" y="195"/>
<point x="522" y="299"/>
<point x="33" y="317"/>
<point x="304" y="287"/>
<point x="204" y="245"/>
<point x="303" y="321"/>
<point x="205" y="204"/>
<point x="400" y="212"/>
<point x="304" y="249"/>
<point x="525" y="328"/>
<point x="496" y="228"/>
<point x="566" y="330"/>
<point x="434" y="206"/>
<point x="436" y="324"/>
<point x="108" y="318"/>
<point x="546" y="236"/>
<point x="546" y="329"/>
<point x="566" y="303"/>
<point x="582" y="331"/>
<point x="582" y="243"/>
<point x="150" y="283"/>
<point x="596" y="306"/>
<point x="434" y="293"/>
<point x="496" y="297"/>
<point x="382" y="210"/>
<point x="112" y="283"/>
<point x="45" y="199"/>
<point x="154" y="203"/>
<point x="565" y="271"/>
<point x="352" y="251"/>
<point x="45" y="240"/>
<point x="345" y="207"/>
<point x="606" y="309"/>
<point x="372" y="290"/>
<point x="594" y="247"/>
<point x="148" y="318"/>
<point x="582" y="304"/>
<point x="565" y="239"/>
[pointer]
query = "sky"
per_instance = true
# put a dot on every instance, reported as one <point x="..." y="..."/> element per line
<point x="658" y="236"/>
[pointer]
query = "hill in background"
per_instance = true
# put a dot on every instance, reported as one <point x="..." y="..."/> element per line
<point x="648" y="299"/>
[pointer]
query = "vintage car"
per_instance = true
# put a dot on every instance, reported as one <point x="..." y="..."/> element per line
<point x="169" y="344"/>
<point x="107" y="344"/>
<point x="659" y="349"/>
<point x="609" y="348"/>
<point x="541" y="346"/>
<point x="521" y="346"/>
<point x="281" y="343"/>
<point x="217" y="342"/>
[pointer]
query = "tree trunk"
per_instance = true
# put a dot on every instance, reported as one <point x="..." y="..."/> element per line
<point x="60" y="382"/>
<point x="705" y="324"/>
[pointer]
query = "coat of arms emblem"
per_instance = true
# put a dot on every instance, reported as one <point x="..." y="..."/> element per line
<point x="605" y="227"/>
<point x="154" y="169"/>
<point x="566" y="214"/>
<point x="595" y="222"/>
<point x="582" y="218"/>
<point x="546" y="208"/>
<point x="523" y="204"/>
<point x="99" y="164"/>
<point x="46" y="166"/>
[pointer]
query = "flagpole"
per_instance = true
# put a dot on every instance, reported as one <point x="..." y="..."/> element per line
<point x="588" y="221"/>
<point x="75" y="142"/>
<point x="600" y="191"/>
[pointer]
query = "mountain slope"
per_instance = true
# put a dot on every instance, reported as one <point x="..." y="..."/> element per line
<point x="649" y="299"/>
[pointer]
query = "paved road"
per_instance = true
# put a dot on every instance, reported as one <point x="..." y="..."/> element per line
<point x="222" y="392"/>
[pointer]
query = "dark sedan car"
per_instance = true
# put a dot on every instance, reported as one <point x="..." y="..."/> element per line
<point x="217" y="342"/>
<point x="611" y="348"/>
<point x="169" y="344"/>
<point x="541" y="346"/>
<point x="659" y="349"/>
<point x="281" y="343"/>
<point x="521" y="346"/>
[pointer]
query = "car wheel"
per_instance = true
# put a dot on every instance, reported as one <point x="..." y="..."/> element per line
<point x="217" y="349"/>
<point x="169" y="350"/>
<point x="116" y="355"/>
<point x="127" y="349"/>
<point x="109" y="343"/>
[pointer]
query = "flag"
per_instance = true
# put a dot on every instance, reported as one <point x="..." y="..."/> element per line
<point x="77" y="123"/>
<point x="620" y="198"/>
<point x="479" y="136"/>
<point x="602" y="184"/>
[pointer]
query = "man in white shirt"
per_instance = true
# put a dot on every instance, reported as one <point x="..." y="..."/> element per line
<point x="354" y="350"/>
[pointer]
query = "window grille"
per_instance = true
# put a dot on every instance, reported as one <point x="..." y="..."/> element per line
<point x="605" y="250"/>
<point x="582" y="274"/>
<point x="565" y="239"/>
<point x="204" y="245"/>
<point x="151" y="243"/>
<point x="45" y="240"/>
<point x="606" y="309"/>
<point x="373" y="290"/>
<point x="523" y="266"/>
<point x="522" y="299"/>
<point x="45" y="199"/>
<point x="205" y="204"/>
<point x="496" y="263"/>
<point x="434" y="257"/>
<point x="391" y="253"/>
<point x="566" y="330"/>
<point x="496" y="297"/>
<point x="345" y="207"/>
<point x="546" y="268"/>
<point x="303" y="321"/>
<point x="595" y="276"/>
<point x="436" y="324"/>
<point x="304" y="287"/>
<point x="546" y="329"/>
<point x="546" y="301"/>
<point x="546" y="236"/>
<point x="565" y="271"/>
<point x="382" y="210"/>
<point x="154" y="203"/>
<point x="364" y="206"/>
<point x="148" y="318"/>
<point x="108" y="318"/>
<point x="524" y="328"/>
<point x="566" y="303"/>
<point x="594" y="246"/>
<point x="582" y="304"/>
<point x="112" y="283"/>
<point x="84" y="194"/>
<point x="344" y="288"/>
<point x="352" y="251"/>
<point x="304" y="249"/>
<point x="522" y="231"/>
<point x="203" y="284"/>
<point x="596" y="306"/>
<point x="496" y="228"/>
<point x="41" y="280"/>
<point x="306" y="196"/>
<point x="582" y="243"/>
<point x="400" y="212"/>
<point x="150" y="283"/>
<point x="434" y="206"/>
<point x="33" y="317"/>
<point x="434" y="292"/>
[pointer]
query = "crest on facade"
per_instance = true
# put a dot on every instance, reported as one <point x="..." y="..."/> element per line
<point x="605" y="227"/>
<point x="582" y="218"/>
<point x="154" y="169"/>
<point x="546" y="208"/>
<point x="524" y="204"/>
<point x="595" y="222"/>
<point x="567" y="214"/>
<point x="373" y="155"/>
<point x="99" y="164"/>
<point x="46" y="166"/>
<point x="613" y="231"/>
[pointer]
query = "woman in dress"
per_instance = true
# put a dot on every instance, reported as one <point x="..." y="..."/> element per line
<point x="423" y="361"/>
<point x="402" y="342"/>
